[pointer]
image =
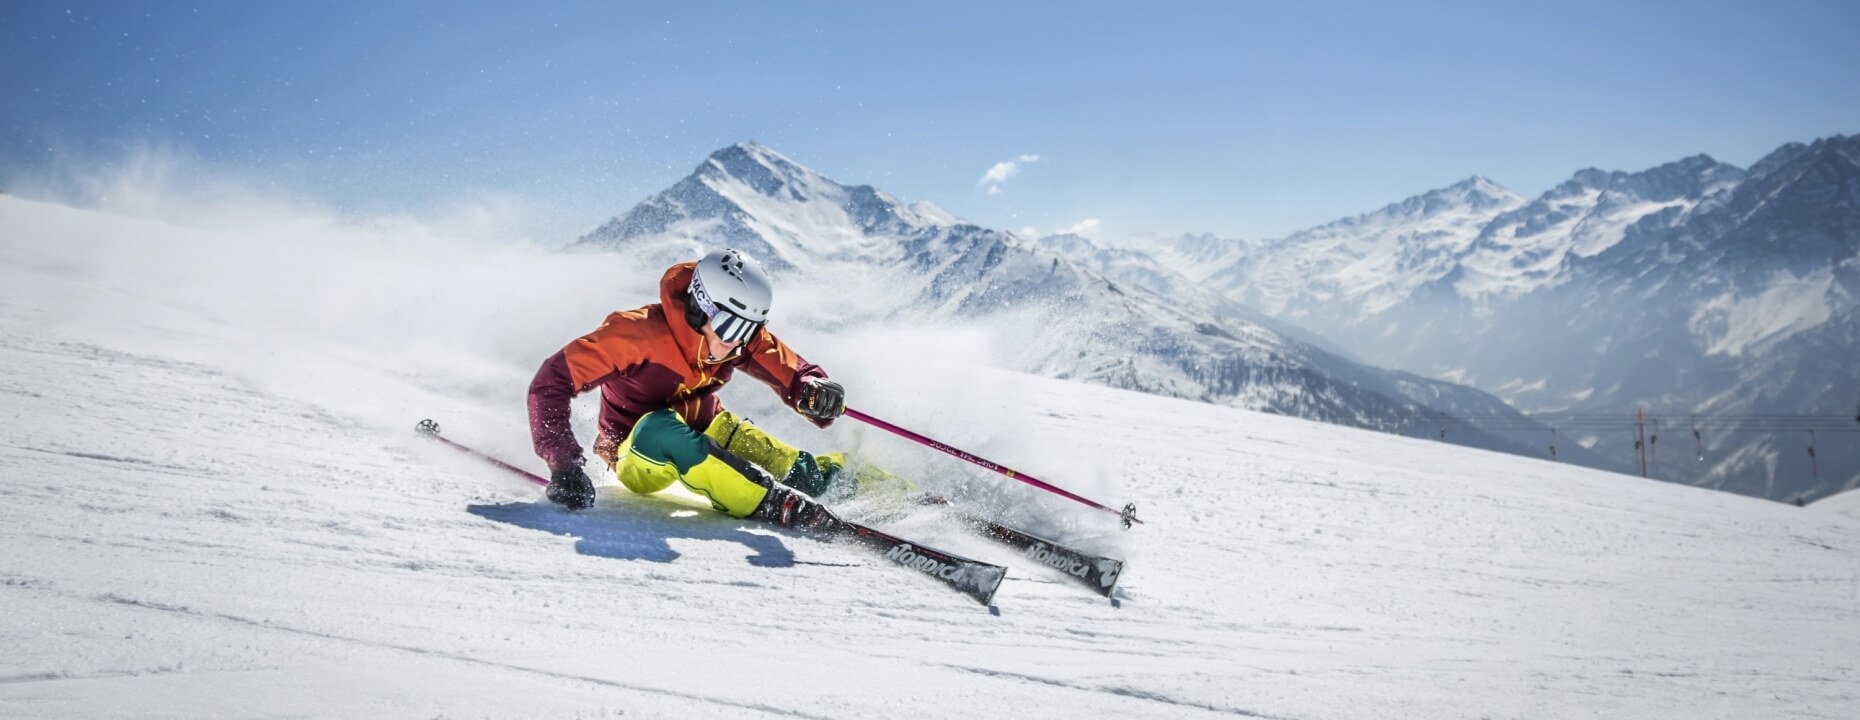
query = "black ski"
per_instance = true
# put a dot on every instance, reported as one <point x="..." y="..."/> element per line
<point x="1098" y="574"/>
<point x="978" y="580"/>
<point x="975" y="579"/>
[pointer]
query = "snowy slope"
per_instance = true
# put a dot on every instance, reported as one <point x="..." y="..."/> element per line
<point x="1845" y="503"/>
<point x="211" y="505"/>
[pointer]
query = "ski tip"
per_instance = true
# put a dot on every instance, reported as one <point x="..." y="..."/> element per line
<point x="1111" y="572"/>
<point x="427" y="427"/>
<point x="987" y="597"/>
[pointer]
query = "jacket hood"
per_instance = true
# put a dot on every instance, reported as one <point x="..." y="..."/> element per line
<point x="674" y="290"/>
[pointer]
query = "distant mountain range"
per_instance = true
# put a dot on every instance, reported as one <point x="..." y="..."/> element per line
<point x="1694" y="289"/>
<point x="1050" y="299"/>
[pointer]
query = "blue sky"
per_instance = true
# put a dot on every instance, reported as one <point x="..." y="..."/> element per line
<point x="1244" y="119"/>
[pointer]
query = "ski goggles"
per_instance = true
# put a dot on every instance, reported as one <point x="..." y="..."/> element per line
<point x="729" y="326"/>
<point x="733" y="328"/>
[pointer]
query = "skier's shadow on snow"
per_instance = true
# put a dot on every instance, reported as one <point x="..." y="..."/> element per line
<point x="637" y="528"/>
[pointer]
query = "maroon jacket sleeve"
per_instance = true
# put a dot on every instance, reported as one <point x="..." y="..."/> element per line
<point x="550" y="394"/>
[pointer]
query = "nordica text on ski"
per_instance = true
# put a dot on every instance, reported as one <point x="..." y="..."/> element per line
<point x="1069" y="565"/>
<point x="904" y="554"/>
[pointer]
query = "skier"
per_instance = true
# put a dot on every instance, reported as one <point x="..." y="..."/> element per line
<point x="659" y="369"/>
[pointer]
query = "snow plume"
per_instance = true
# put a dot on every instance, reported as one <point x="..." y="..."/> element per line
<point x="166" y="183"/>
<point x="383" y="320"/>
<point x="945" y="379"/>
<point x="377" y="319"/>
<point x="1000" y="172"/>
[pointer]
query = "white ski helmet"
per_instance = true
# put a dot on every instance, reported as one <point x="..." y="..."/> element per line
<point x="731" y="291"/>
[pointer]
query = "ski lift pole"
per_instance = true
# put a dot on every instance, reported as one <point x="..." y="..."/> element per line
<point x="1696" y="438"/>
<point x="1128" y="514"/>
<point x="1814" y="464"/>
<point x="1640" y="438"/>
<point x="1653" y="443"/>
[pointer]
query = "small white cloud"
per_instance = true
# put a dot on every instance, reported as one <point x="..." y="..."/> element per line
<point x="1029" y="231"/>
<point x="1001" y="171"/>
<point x="1082" y="227"/>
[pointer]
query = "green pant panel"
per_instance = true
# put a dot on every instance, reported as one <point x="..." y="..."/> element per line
<point x="663" y="449"/>
<point x="662" y="437"/>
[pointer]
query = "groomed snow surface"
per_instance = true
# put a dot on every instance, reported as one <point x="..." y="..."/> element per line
<point x="212" y="505"/>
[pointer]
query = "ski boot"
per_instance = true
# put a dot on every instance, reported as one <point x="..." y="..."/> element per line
<point x="787" y="508"/>
<point x="864" y="480"/>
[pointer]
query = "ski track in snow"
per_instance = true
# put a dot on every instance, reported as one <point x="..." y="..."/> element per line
<point x="185" y="539"/>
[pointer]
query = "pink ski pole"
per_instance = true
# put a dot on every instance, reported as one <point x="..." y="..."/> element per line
<point x="1129" y="513"/>
<point x="431" y="430"/>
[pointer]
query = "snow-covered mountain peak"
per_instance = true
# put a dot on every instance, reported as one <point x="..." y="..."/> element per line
<point x="757" y="165"/>
<point x="1354" y="268"/>
<point x="1533" y="246"/>
<point x="1588" y="178"/>
<point x="747" y="173"/>
<point x="1802" y="205"/>
<point x="1827" y="161"/>
<point x="1695" y="176"/>
<point x="1476" y="192"/>
<point x="750" y="197"/>
<point x="1475" y="195"/>
<point x="1777" y="158"/>
<point x="1068" y="243"/>
<point x="773" y="175"/>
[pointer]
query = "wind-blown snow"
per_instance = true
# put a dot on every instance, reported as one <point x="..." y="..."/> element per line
<point x="211" y="504"/>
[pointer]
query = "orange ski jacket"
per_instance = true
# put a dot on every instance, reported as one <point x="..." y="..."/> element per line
<point x="647" y="359"/>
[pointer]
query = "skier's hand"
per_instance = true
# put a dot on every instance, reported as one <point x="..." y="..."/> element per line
<point x="823" y="400"/>
<point x="570" y="487"/>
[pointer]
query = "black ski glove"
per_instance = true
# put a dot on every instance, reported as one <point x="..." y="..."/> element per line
<point x="570" y="487"/>
<point x="822" y="399"/>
